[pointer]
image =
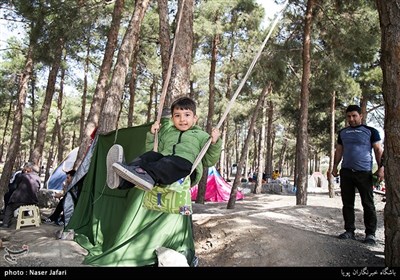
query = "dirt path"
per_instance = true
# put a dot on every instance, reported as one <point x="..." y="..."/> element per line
<point x="265" y="230"/>
<point x="270" y="230"/>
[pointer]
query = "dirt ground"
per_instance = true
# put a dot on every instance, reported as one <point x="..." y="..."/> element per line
<point x="269" y="230"/>
<point x="264" y="230"/>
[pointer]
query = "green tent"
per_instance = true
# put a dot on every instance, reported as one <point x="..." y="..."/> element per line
<point x="112" y="224"/>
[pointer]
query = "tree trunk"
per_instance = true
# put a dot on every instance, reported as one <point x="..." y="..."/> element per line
<point x="84" y="92"/>
<point x="256" y="151"/>
<point x="237" y="181"/>
<point x="364" y="112"/>
<point x="44" y="114"/>
<point x="93" y="117"/>
<point x="237" y="141"/>
<point x="268" y="160"/>
<point x="59" y="131"/>
<point x="223" y="166"/>
<point x="282" y="155"/>
<point x="113" y="102"/>
<point x="211" y="100"/>
<point x="261" y="152"/>
<point x="225" y="154"/>
<point x="180" y="76"/>
<point x="164" y="35"/>
<point x="132" y="85"/>
<point x="272" y="135"/>
<point x="331" y="180"/>
<point x="17" y="123"/>
<point x="33" y="119"/>
<point x="389" y="14"/>
<point x="3" y="143"/>
<point x="153" y="92"/>
<point x="302" y="135"/>
<point x="60" y="142"/>
<point x="50" y="157"/>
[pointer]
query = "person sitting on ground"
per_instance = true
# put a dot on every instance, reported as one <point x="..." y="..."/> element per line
<point x="58" y="218"/>
<point x="26" y="192"/>
<point x="180" y="142"/>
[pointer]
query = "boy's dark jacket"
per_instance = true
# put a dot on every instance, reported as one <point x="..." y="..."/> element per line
<point x="187" y="145"/>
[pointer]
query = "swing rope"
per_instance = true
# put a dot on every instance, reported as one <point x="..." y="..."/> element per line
<point x="233" y="99"/>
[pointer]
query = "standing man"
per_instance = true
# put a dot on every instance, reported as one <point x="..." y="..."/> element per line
<point x="355" y="144"/>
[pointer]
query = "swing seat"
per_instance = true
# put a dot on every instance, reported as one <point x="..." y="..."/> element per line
<point x="174" y="198"/>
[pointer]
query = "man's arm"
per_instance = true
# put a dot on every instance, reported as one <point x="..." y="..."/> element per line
<point x="378" y="151"/>
<point x="337" y="159"/>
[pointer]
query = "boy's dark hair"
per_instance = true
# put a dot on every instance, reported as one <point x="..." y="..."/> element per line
<point x="184" y="103"/>
<point x="71" y="172"/>
<point x="352" y="108"/>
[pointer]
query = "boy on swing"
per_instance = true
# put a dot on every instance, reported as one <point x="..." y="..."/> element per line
<point x="180" y="142"/>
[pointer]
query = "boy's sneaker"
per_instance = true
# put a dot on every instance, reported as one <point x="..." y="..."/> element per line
<point x="135" y="175"/>
<point x="115" y="154"/>
<point x="370" y="239"/>
<point x="347" y="235"/>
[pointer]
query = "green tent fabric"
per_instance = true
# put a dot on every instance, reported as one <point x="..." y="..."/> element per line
<point x="112" y="225"/>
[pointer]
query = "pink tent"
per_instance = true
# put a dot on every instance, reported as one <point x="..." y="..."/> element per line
<point x="217" y="190"/>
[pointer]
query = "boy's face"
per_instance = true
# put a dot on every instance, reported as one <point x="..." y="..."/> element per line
<point x="183" y="119"/>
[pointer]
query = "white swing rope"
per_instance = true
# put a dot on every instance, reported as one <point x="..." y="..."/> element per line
<point x="232" y="101"/>
<point x="168" y="77"/>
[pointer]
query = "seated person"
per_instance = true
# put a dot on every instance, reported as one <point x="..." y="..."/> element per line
<point x="12" y="186"/>
<point x="58" y="218"/>
<point x="26" y="192"/>
<point x="275" y="174"/>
